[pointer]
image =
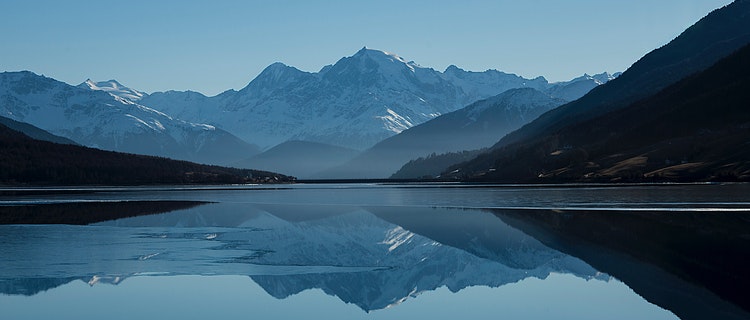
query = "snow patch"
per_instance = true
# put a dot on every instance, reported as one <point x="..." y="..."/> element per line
<point x="396" y="237"/>
<point x="114" y="88"/>
<point x="394" y="122"/>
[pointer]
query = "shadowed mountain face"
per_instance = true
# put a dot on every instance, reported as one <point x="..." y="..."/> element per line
<point x="676" y="114"/>
<point x="34" y="132"/>
<point x="692" y="263"/>
<point x="695" y="130"/>
<point x="433" y="165"/>
<point x="29" y="161"/>
<point x="706" y="42"/>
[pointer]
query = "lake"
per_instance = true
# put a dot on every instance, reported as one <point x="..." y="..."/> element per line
<point x="376" y="251"/>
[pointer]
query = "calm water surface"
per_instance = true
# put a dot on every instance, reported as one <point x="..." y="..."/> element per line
<point x="375" y="252"/>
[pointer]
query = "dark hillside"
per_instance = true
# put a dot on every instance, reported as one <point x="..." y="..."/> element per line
<point x="695" y="130"/>
<point x="714" y="37"/>
<point x="34" y="132"/>
<point x="25" y="161"/>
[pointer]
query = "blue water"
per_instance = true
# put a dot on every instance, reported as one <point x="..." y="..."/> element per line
<point x="343" y="252"/>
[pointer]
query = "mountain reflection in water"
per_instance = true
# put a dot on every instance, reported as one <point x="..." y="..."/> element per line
<point x="376" y="257"/>
<point x="350" y="252"/>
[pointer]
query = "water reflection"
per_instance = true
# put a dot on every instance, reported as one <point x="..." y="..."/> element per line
<point x="692" y="263"/>
<point x="376" y="257"/>
<point x="82" y="213"/>
<point x="360" y="255"/>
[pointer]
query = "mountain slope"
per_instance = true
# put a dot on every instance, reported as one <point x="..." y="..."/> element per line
<point x="299" y="158"/>
<point x="695" y="130"/>
<point x="578" y="87"/>
<point x="101" y="119"/>
<point x="24" y="160"/>
<point x="34" y="132"/>
<point x="715" y="36"/>
<point x="431" y="166"/>
<point x="356" y="102"/>
<point x="477" y="126"/>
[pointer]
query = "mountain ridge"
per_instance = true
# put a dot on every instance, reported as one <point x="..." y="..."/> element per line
<point x="103" y="119"/>
<point x="28" y="161"/>
<point x="356" y="102"/>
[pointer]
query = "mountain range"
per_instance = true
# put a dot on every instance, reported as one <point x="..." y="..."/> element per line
<point x="354" y="103"/>
<point x="327" y="116"/>
<point x="97" y="117"/>
<point x="478" y="125"/>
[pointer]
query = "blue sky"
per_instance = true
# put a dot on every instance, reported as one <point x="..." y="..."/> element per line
<point x="212" y="46"/>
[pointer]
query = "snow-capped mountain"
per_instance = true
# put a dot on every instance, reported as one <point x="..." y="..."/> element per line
<point x="356" y="102"/>
<point x="484" y="84"/>
<point x="96" y="115"/>
<point x="115" y="88"/>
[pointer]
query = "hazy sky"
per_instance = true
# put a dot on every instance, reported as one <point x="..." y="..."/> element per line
<point x="212" y="46"/>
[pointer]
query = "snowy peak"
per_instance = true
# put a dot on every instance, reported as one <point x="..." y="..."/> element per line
<point x="26" y="83"/>
<point x="599" y="79"/>
<point x="114" y="88"/>
<point x="604" y="77"/>
<point x="383" y="58"/>
<point x="275" y="76"/>
<point x="368" y="67"/>
<point x="277" y="71"/>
